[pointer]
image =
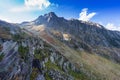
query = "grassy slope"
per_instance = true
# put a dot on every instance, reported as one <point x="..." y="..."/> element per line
<point x="93" y="64"/>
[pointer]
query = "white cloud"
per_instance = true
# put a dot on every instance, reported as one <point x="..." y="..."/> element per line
<point x="41" y="4"/>
<point x="32" y="5"/>
<point x="111" y="26"/>
<point x="85" y="16"/>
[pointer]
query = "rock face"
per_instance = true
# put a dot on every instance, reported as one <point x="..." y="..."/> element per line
<point x="56" y="75"/>
<point x="19" y="62"/>
<point x="40" y="77"/>
<point x="50" y="63"/>
<point x="12" y="66"/>
<point x="16" y="54"/>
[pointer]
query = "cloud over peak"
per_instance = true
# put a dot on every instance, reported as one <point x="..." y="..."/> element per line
<point x="85" y="16"/>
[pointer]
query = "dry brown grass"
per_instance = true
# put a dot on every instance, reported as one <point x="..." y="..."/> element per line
<point x="101" y="66"/>
<point x="4" y="34"/>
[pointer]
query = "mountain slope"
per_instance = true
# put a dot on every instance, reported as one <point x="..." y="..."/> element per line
<point x="11" y="26"/>
<point x="54" y="48"/>
<point x="93" y="66"/>
<point x="91" y="37"/>
<point x="94" y="50"/>
<point x="8" y="29"/>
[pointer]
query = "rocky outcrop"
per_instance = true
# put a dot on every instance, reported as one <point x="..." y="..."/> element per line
<point x="55" y="65"/>
<point x="57" y="75"/>
<point x="12" y="66"/>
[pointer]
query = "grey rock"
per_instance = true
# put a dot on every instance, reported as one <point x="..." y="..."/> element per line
<point x="40" y="77"/>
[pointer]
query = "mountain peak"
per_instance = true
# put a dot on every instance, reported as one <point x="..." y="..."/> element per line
<point x="50" y="14"/>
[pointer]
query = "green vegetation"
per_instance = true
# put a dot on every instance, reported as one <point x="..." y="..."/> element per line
<point x="1" y="57"/>
<point x="16" y="37"/>
<point x="50" y="65"/>
<point x="41" y="53"/>
<point x="19" y="36"/>
<point x="47" y="76"/>
<point x="23" y="51"/>
<point x="34" y="74"/>
<point x="37" y="51"/>
<point x="78" y="75"/>
<point x="38" y="56"/>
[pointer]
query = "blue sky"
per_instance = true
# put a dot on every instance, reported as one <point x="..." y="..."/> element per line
<point x="106" y="12"/>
